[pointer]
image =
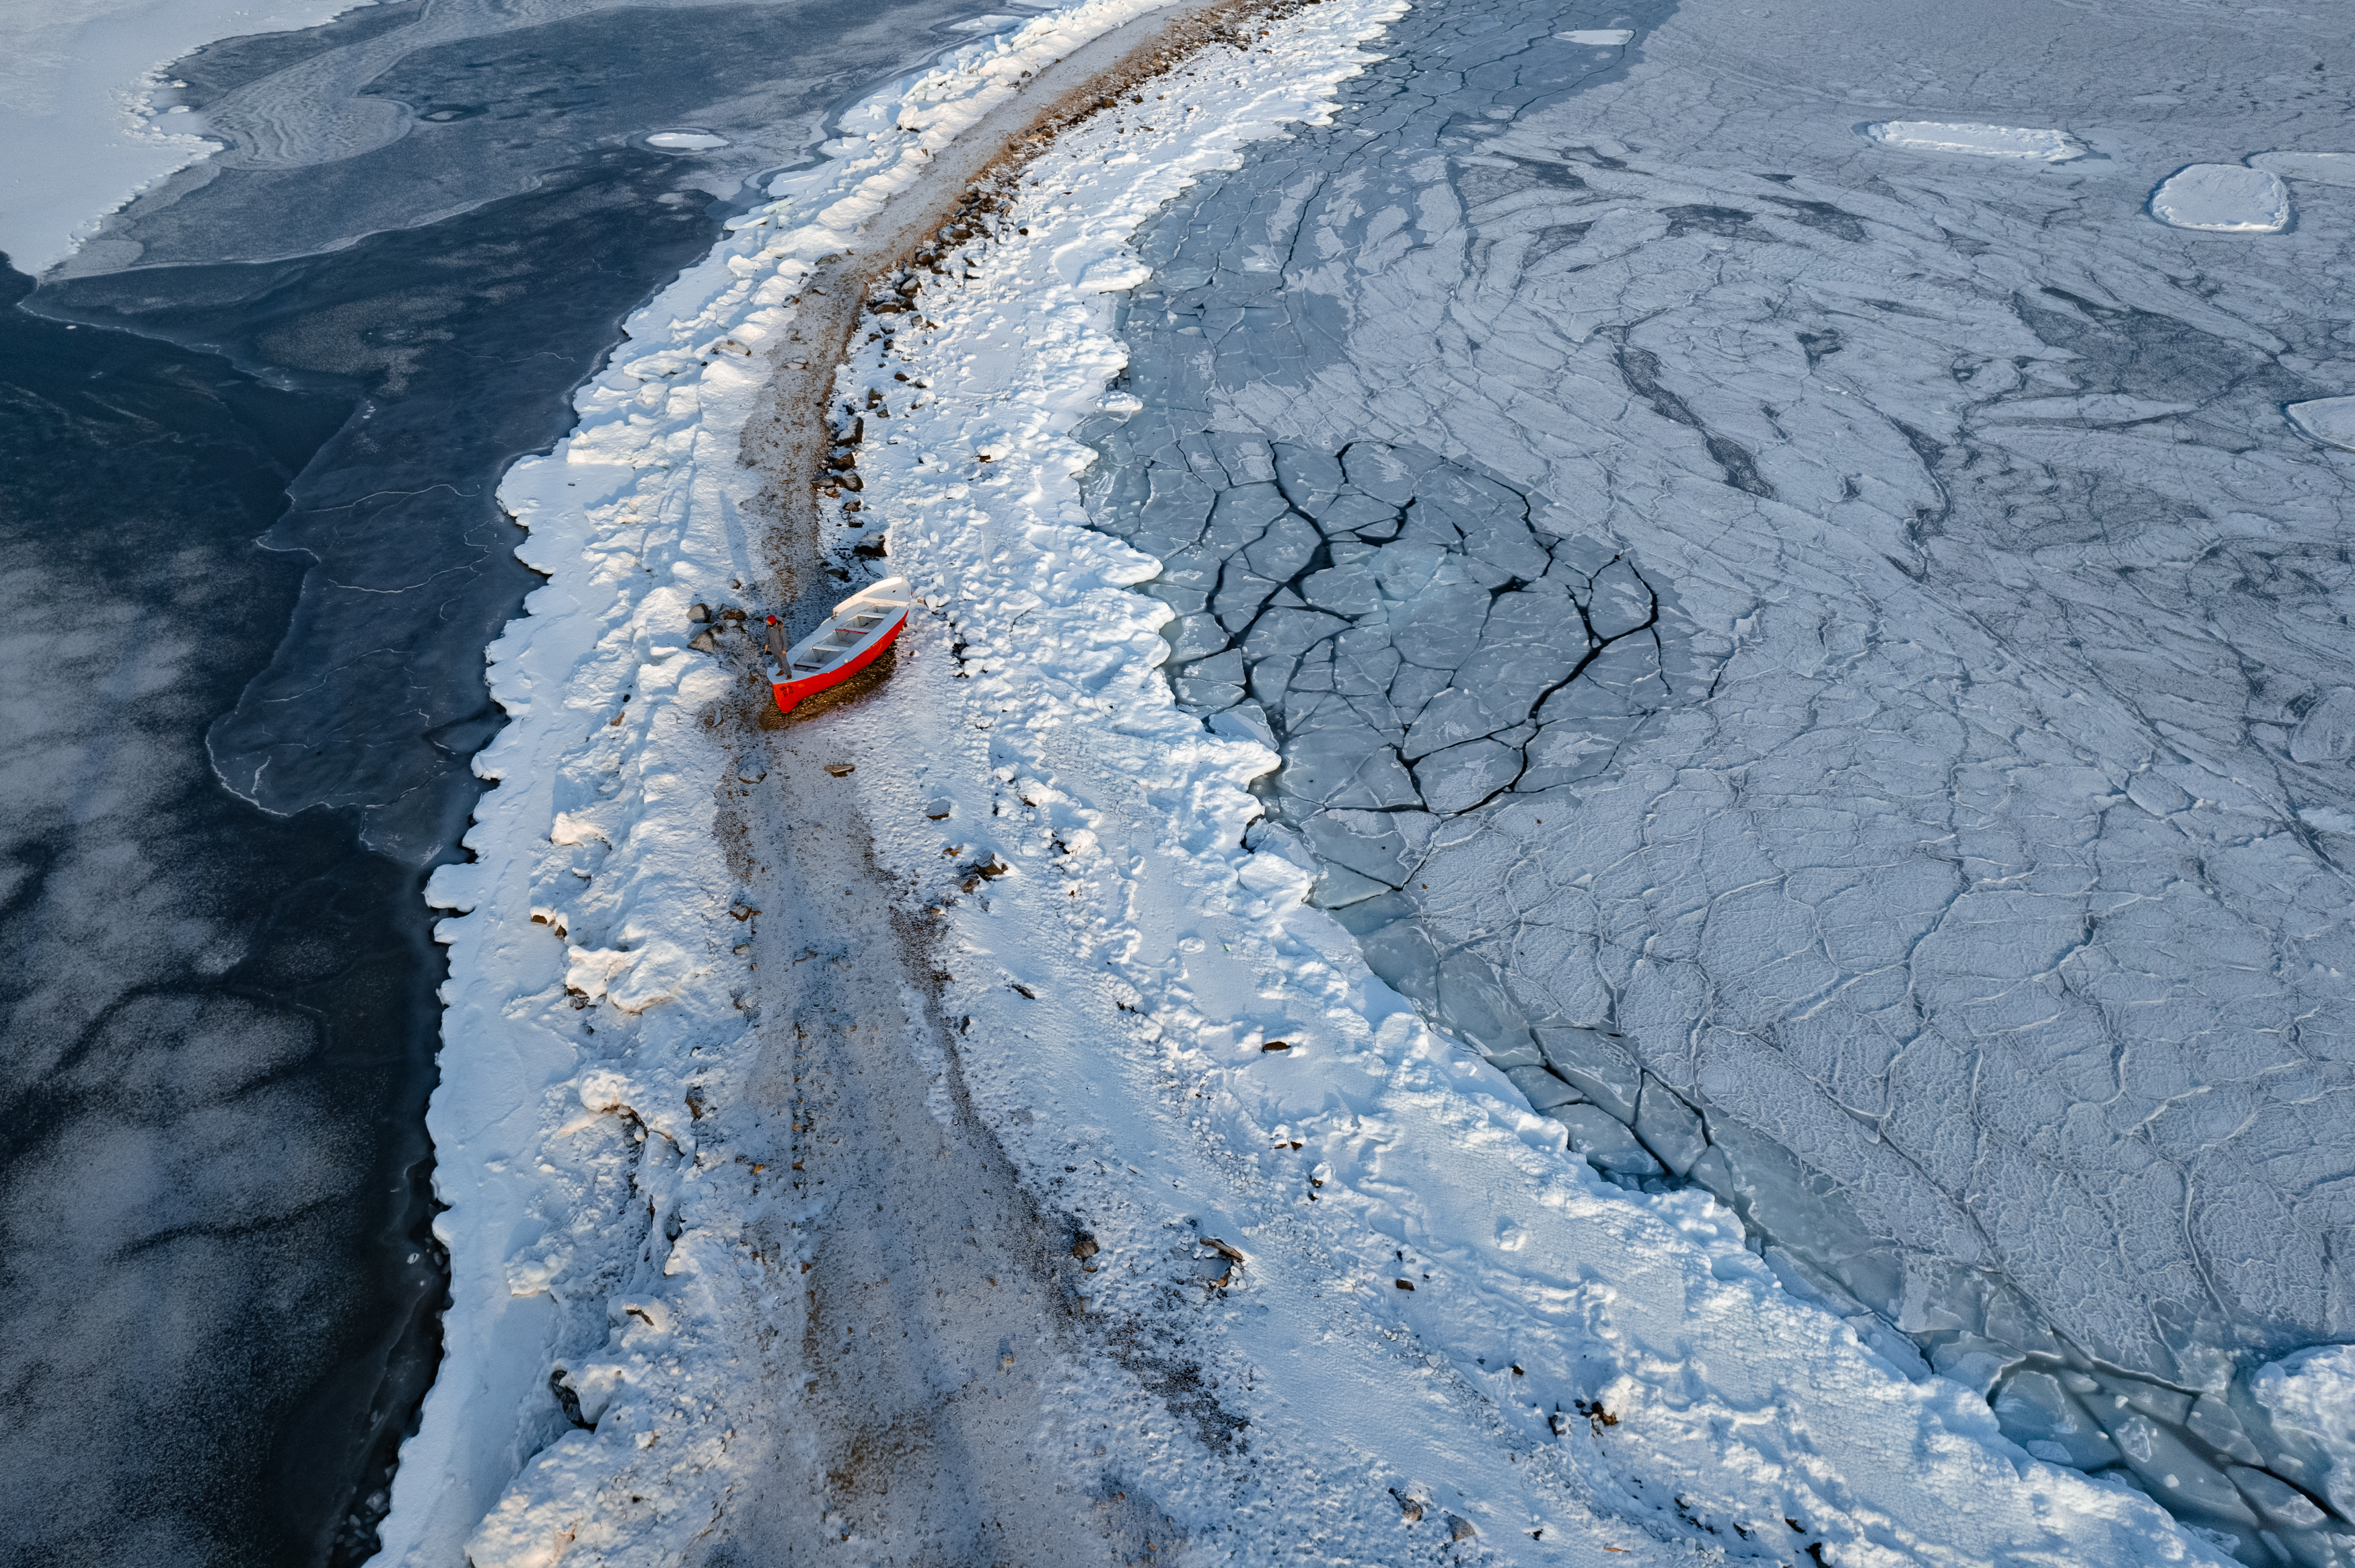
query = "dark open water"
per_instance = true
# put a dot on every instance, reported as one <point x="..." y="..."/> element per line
<point x="250" y="557"/>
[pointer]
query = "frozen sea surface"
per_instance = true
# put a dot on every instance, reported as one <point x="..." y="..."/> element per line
<point x="252" y="436"/>
<point x="1828" y="661"/>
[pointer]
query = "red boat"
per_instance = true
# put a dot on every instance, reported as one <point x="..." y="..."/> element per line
<point x="853" y="637"/>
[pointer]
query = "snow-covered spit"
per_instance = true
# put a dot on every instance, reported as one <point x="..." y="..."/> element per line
<point x="1420" y="1311"/>
<point x="597" y="877"/>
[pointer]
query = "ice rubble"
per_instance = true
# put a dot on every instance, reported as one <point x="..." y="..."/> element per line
<point x="1893" y="904"/>
<point x="2223" y="199"/>
<point x="1981" y="141"/>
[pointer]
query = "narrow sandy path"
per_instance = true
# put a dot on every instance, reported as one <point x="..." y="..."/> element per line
<point x="940" y="1308"/>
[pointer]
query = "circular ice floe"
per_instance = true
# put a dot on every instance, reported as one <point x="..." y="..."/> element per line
<point x="2322" y="168"/>
<point x="1981" y="141"/>
<point x="685" y="141"/>
<point x="2329" y="419"/>
<point x="2223" y="199"/>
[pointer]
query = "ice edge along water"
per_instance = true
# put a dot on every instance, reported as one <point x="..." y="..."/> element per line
<point x="1538" y="1289"/>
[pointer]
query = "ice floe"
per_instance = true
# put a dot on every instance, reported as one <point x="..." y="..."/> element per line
<point x="685" y="141"/>
<point x="2330" y="419"/>
<point x="1603" y="38"/>
<point x="1980" y="140"/>
<point x="2321" y="168"/>
<point x="2223" y="199"/>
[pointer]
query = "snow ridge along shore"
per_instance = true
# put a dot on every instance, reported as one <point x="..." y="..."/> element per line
<point x="597" y="954"/>
<point x="1328" y="1279"/>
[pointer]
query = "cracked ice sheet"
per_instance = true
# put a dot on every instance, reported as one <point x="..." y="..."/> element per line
<point x="1995" y="875"/>
<point x="1126" y="981"/>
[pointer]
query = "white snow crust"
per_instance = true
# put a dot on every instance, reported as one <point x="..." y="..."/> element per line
<point x="2223" y="199"/>
<point x="1981" y="141"/>
<point x="1126" y="983"/>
